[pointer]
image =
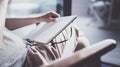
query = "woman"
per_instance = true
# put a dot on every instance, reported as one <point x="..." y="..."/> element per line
<point x="13" y="51"/>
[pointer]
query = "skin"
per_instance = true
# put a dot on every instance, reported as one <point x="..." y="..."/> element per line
<point x="14" y="23"/>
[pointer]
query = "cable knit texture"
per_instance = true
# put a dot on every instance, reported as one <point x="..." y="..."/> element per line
<point x="11" y="50"/>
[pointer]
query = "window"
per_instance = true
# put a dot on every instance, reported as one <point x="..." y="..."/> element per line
<point x="30" y="7"/>
<point x="19" y="8"/>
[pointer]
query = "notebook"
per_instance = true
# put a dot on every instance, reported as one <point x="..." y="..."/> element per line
<point x="45" y="32"/>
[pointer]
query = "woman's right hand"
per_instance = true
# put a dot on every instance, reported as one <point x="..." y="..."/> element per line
<point x="49" y="17"/>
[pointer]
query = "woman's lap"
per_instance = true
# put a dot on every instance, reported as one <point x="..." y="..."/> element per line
<point x="62" y="46"/>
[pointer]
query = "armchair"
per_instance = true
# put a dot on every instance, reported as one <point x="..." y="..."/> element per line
<point x="86" y="57"/>
<point x="89" y="56"/>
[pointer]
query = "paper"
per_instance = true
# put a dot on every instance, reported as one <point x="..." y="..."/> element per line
<point x="45" y="32"/>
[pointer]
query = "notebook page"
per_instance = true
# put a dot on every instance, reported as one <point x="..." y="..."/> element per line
<point x="50" y="30"/>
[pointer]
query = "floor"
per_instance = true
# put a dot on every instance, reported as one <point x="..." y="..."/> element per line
<point x="96" y="31"/>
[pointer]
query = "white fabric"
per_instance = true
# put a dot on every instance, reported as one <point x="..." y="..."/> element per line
<point x="12" y="49"/>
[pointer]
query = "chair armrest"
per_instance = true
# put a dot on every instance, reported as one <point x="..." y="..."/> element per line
<point x="87" y="53"/>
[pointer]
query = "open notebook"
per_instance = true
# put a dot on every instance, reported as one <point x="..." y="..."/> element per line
<point x="45" y="32"/>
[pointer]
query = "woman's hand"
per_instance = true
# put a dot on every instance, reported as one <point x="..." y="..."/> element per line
<point x="14" y="23"/>
<point x="49" y="17"/>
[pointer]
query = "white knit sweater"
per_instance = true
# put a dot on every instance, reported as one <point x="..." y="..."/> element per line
<point x="12" y="50"/>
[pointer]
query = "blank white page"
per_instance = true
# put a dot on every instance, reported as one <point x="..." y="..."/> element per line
<point x="45" y="32"/>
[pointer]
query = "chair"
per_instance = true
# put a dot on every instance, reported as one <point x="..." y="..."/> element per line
<point x="86" y="57"/>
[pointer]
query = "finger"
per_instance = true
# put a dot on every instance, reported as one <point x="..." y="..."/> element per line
<point x="54" y="15"/>
<point x="54" y="19"/>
